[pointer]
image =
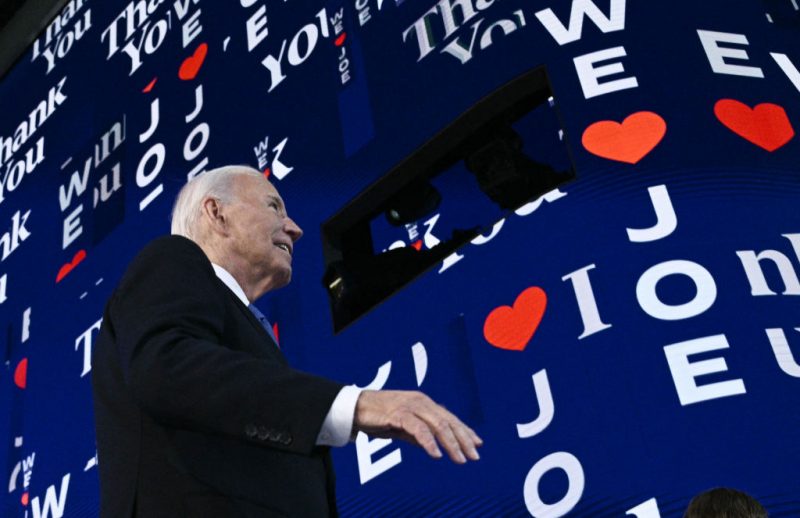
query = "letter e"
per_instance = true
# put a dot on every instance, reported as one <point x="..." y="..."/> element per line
<point x="72" y="227"/>
<point x="257" y="28"/>
<point x="684" y="372"/>
<point x="716" y="55"/>
<point x="365" y="449"/>
<point x="588" y="74"/>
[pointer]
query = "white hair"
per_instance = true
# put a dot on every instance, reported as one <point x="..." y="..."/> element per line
<point x="216" y="183"/>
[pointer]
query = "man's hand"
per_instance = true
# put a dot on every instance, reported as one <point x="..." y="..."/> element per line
<point x="416" y="418"/>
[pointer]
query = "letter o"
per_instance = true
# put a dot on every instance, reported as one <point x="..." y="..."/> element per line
<point x="158" y="152"/>
<point x="704" y="297"/>
<point x="572" y="467"/>
<point x="161" y="28"/>
<point x="65" y="44"/>
<point x="14" y="175"/>
<point x="312" y="34"/>
<point x="191" y="152"/>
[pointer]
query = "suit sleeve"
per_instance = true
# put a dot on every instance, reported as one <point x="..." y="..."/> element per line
<point x="168" y="320"/>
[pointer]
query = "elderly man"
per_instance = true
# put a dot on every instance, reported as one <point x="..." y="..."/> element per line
<point x="197" y="412"/>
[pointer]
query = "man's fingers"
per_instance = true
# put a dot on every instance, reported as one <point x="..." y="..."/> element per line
<point x="475" y="437"/>
<point x="430" y="435"/>
<point x="467" y="442"/>
<point x="419" y="430"/>
<point x="447" y="438"/>
<point x="458" y="439"/>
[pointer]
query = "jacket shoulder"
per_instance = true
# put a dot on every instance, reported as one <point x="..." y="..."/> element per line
<point x="172" y="251"/>
<point x="165" y="247"/>
<point x="167" y="259"/>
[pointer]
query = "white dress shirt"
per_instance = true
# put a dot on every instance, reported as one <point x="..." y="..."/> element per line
<point x="338" y="424"/>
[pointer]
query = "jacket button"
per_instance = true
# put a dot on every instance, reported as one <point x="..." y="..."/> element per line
<point x="286" y="440"/>
<point x="250" y="431"/>
<point x="263" y="433"/>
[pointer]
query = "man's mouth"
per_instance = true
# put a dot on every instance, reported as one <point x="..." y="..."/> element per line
<point x="285" y="248"/>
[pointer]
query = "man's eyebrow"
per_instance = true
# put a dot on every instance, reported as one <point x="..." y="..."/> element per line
<point x="277" y="199"/>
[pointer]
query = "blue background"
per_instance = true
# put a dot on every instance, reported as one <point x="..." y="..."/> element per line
<point x="616" y="407"/>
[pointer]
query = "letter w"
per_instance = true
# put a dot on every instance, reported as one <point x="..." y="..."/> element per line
<point x="27" y="463"/>
<point x="580" y="8"/>
<point x="182" y="9"/>
<point x="51" y="505"/>
<point x="262" y="148"/>
<point x="76" y="186"/>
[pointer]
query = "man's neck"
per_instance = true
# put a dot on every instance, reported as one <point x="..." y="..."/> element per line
<point x="253" y="284"/>
<point x="226" y="277"/>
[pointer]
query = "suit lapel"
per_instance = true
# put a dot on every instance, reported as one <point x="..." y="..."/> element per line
<point x="270" y="344"/>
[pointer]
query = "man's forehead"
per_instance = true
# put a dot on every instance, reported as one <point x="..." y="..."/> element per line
<point x="257" y="185"/>
<point x="249" y="181"/>
<point x="273" y="191"/>
<point x="271" y="188"/>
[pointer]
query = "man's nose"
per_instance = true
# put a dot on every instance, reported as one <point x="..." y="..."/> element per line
<point x="291" y="228"/>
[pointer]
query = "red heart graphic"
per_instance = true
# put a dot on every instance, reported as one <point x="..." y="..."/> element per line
<point x="24" y="498"/>
<point x="267" y="172"/>
<point x="767" y="125"/>
<point x="191" y="65"/>
<point x="512" y="328"/>
<point x="67" y="268"/>
<point x="417" y="245"/>
<point x="628" y="142"/>
<point x="21" y="373"/>
<point x="150" y="85"/>
<point x="340" y="39"/>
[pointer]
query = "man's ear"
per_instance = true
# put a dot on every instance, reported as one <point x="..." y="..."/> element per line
<point x="213" y="211"/>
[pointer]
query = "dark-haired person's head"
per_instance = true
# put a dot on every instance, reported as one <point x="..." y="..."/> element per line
<point x="723" y="502"/>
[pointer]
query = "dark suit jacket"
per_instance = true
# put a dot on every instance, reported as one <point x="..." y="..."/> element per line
<point x="196" y="411"/>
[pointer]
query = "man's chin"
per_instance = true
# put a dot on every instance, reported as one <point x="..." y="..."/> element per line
<point x="284" y="278"/>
